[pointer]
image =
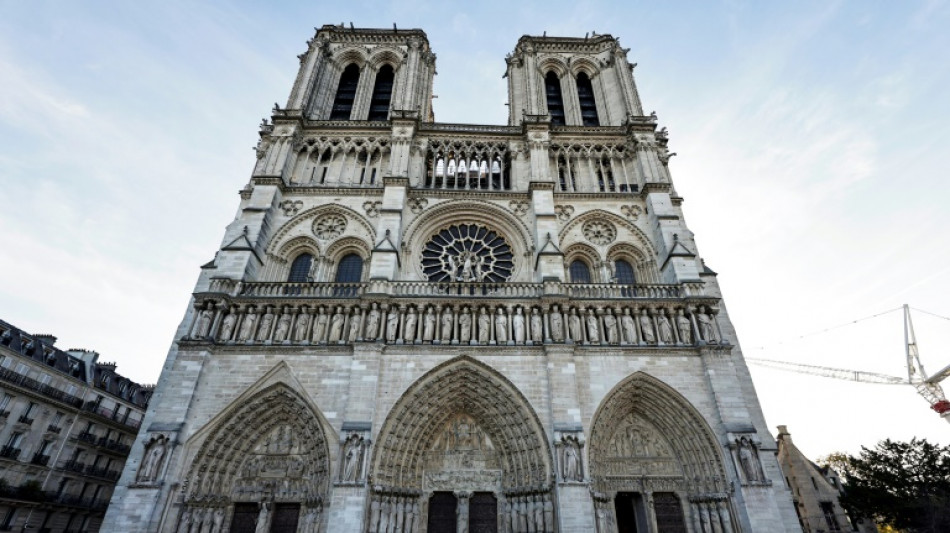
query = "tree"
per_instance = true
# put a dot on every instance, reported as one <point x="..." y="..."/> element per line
<point x="901" y="484"/>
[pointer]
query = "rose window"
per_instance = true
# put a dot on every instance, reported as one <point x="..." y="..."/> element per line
<point x="329" y="227"/>
<point x="467" y="252"/>
<point x="600" y="232"/>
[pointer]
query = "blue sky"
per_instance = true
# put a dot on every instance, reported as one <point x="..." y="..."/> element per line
<point x="811" y="139"/>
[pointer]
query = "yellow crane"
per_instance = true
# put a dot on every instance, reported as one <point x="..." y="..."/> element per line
<point x="927" y="386"/>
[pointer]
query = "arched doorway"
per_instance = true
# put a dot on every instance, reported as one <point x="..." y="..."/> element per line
<point x="461" y="442"/>
<point x="655" y="463"/>
<point x="264" y="464"/>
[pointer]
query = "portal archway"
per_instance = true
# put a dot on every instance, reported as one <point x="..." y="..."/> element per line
<point x="654" y="459"/>
<point x="461" y="429"/>
<point x="265" y="458"/>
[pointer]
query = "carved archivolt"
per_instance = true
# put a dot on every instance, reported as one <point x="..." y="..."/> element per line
<point x="462" y="406"/>
<point x="644" y="430"/>
<point x="271" y="445"/>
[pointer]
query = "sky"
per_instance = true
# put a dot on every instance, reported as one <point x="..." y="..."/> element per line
<point x="811" y="140"/>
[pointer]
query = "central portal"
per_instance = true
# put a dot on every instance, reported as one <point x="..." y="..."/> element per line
<point x="474" y="513"/>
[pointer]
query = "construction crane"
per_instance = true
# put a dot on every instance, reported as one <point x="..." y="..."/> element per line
<point x="926" y="386"/>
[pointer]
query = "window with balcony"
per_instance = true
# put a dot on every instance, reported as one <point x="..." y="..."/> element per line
<point x="350" y="269"/>
<point x="580" y="272"/>
<point x="585" y="96"/>
<point x="300" y="269"/>
<point x="345" y="93"/>
<point x="624" y="272"/>
<point x="382" y="94"/>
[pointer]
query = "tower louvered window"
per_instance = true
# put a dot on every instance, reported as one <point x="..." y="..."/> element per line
<point x="382" y="94"/>
<point x="552" y="88"/>
<point x="585" y="95"/>
<point x="345" y="93"/>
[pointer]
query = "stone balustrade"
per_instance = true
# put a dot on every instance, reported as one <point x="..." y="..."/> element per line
<point x="476" y="314"/>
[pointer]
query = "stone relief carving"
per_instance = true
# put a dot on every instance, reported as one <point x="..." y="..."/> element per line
<point x="329" y="226"/>
<point x="519" y="207"/>
<point x="745" y="451"/>
<point x="417" y="205"/>
<point x="570" y="452"/>
<point x="352" y="457"/>
<point x="563" y="212"/>
<point x="153" y="457"/>
<point x="632" y="212"/>
<point x="530" y="511"/>
<point x="394" y="510"/>
<point x="372" y="208"/>
<point x="599" y="232"/>
<point x="291" y="207"/>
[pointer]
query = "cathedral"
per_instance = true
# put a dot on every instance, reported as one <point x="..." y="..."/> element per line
<point x="415" y="326"/>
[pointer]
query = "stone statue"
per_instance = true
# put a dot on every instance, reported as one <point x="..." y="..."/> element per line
<point x="548" y="514"/>
<point x="462" y="516"/>
<point x="303" y="326"/>
<point x="480" y="271"/>
<point x="336" y="325"/>
<point x="629" y="327"/>
<point x="467" y="267"/>
<point x="593" y="328"/>
<point x="574" y="325"/>
<point x="218" y="520"/>
<point x="352" y="456"/>
<point x="283" y="327"/>
<point x="538" y="508"/>
<point x="484" y="326"/>
<point x="355" y="322"/>
<point x="384" y="524"/>
<point x="184" y="526"/>
<point x="646" y="328"/>
<point x="610" y="327"/>
<point x="465" y="326"/>
<point x="374" y="509"/>
<point x="227" y="327"/>
<point x="537" y="326"/>
<point x="392" y="324"/>
<point x="517" y="326"/>
<point x="320" y="328"/>
<point x="706" y="328"/>
<point x="372" y="323"/>
<point x="501" y="326"/>
<point x="571" y="461"/>
<point x="204" y="323"/>
<point x="263" y="332"/>
<point x="684" y="327"/>
<point x="748" y="457"/>
<point x="557" y="324"/>
<point x="428" y="325"/>
<point x="247" y="327"/>
<point x="409" y="335"/>
<point x="152" y="460"/>
<point x="263" y="519"/>
<point x="664" y="328"/>
<point x="447" y="324"/>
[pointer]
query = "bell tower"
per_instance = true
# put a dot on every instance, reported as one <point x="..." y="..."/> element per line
<point x="574" y="81"/>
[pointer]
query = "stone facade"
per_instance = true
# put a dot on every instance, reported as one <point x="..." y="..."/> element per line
<point x="67" y="423"/>
<point x="815" y="491"/>
<point x="418" y="326"/>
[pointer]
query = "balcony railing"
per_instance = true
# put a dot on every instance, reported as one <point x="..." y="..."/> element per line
<point x="416" y="289"/>
<point x="86" y="436"/>
<point x="26" y="420"/>
<point x="53" y="428"/>
<point x="40" y="459"/>
<point x="9" y="452"/>
<point x="111" y="414"/>
<point x="15" y="378"/>
<point x="74" y="466"/>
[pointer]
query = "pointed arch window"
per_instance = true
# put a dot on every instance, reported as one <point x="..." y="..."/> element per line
<point x="382" y="94"/>
<point x="624" y="272"/>
<point x="580" y="272"/>
<point x="552" y="89"/>
<point x="345" y="93"/>
<point x="585" y="95"/>
<point x="350" y="269"/>
<point x="300" y="269"/>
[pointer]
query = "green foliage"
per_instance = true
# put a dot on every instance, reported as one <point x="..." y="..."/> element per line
<point x="901" y="484"/>
<point x="31" y="490"/>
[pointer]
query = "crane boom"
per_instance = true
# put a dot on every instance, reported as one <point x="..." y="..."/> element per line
<point x="829" y="372"/>
<point x="926" y="387"/>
